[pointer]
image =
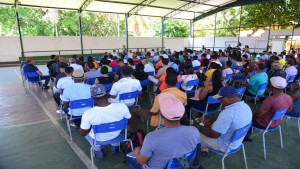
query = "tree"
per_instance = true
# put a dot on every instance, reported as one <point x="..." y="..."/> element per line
<point x="172" y="28"/>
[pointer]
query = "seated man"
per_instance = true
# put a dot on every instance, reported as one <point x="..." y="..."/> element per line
<point x="161" y="71"/>
<point x="49" y="65"/>
<point x="276" y="70"/>
<point x="62" y="74"/>
<point x="159" y="146"/>
<point x="124" y="85"/>
<point x="29" y="67"/>
<point x="63" y="83"/>
<point x="278" y="101"/>
<point x="93" y="73"/>
<point x="255" y="81"/>
<point x="103" y="112"/>
<point x="118" y="72"/>
<point x="290" y="69"/>
<point x="76" y="91"/>
<point x="296" y="102"/>
<point x="147" y="66"/>
<point x="195" y="61"/>
<point x="153" y="114"/>
<point x="61" y="61"/>
<point x="226" y="71"/>
<point x="237" y="114"/>
<point x="74" y="65"/>
<point x="158" y="64"/>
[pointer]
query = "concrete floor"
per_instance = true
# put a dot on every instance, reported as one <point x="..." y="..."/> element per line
<point x="33" y="137"/>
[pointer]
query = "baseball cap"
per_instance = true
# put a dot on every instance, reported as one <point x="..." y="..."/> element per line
<point x="171" y="107"/>
<point x="78" y="74"/>
<point x="278" y="82"/>
<point x="227" y="91"/>
<point x="97" y="90"/>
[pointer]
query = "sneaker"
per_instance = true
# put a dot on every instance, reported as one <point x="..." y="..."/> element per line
<point x="73" y="125"/>
<point x="46" y="87"/>
<point x="249" y="139"/>
<point x="59" y="111"/>
<point x="114" y="149"/>
<point x="99" y="154"/>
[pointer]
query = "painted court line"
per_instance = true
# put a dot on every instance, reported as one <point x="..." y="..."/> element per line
<point x="25" y="124"/>
<point x="87" y="162"/>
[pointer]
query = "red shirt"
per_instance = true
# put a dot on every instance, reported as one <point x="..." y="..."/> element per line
<point x="136" y="61"/>
<point x="113" y="63"/>
<point x="163" y="85"/>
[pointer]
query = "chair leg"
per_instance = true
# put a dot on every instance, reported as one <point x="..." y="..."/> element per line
<point x="280" y="136"/>
<point x="299" y="126"/>
<point x="190" y="116"/>
<point x="69" y="128"/>
<point x="264" y="145"/>
<point x="245" y="159"/>
<point x="223" y="165"/>
<point x="92" y="156"/>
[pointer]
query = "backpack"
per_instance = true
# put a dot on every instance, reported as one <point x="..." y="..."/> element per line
<point x="137" y="140"/>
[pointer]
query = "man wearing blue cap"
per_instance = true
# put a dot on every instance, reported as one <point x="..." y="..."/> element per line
<point x="237" y="114"/>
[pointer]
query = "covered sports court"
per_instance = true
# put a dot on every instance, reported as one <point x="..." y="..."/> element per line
<point x="32" y="134"/>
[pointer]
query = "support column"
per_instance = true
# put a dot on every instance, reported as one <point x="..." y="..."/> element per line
<point x="20" y="33"/>
<point x="239" y="25"/>
<point x="126" y="30"/>
<point x="193" y="33"/>
<point x="191" y="24"/>
<point x="215" y="32"/>
<point x="162" y="34"/>
<point x="80" y="33"/>
<point x="297" y="8"/>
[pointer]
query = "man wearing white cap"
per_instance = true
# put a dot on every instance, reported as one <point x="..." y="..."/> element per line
<point x="172" y="141"/>
<point x="278" y="101"/>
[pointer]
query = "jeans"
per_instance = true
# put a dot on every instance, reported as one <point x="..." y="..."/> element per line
<point x="47" y="79"/>
<point x="56" y="97"/>
<point x="76" y="121"/>
<point x="98" y="147"/>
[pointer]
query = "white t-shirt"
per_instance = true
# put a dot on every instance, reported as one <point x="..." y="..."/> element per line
<point x="208" y="57"/>
<point x="114" y="54"/>
<point x="152" y="53"/>
<point x="101" y="115"/>
<point x="130" y="55"/>
<point x="165" y="56"/>
<point x="76" y="67"/>
<point x="148" y="68"/>
<point x="125" y="85"/>
<point x="64" y="82"/>
<point x="196" y="63"/>
<point x="155" y="58"/>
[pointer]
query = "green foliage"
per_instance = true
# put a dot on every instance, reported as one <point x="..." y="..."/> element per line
<point x="172" y="28"/>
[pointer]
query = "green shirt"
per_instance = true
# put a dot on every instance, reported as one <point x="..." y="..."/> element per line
<point x="108" y="67"/>
<point x="180" y="58"/>
<point x="255" y="82"/>
<point x="151" y="64"/>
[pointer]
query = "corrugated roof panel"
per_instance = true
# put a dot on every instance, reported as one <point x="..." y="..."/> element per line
<point x="7" y="1"/>
<point x="128" y="1"/>
<point x="219" y="2"/>
<point x="169" y="3"/>
<point x="73" y="4"/>
<point x="201" y="8"/>
<point x="109" y="7"/>
<point x="154" y="11"/>
<point x="184" y="15"/>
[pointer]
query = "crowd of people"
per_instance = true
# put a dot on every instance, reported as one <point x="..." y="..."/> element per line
<point x="171" y="106"/>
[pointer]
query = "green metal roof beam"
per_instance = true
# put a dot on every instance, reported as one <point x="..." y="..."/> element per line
<point x="85" y="4"/>
<point x="230" y="5"/>
<point x="137" y="8"/>
<point x="181" y="9"/>
<point x="200" y="2"/>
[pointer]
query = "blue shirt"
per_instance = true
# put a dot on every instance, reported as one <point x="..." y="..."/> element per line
<point x="173" y="65"/>
<point x="30" y="68"/>
<point x="76" y="91"/>
<point x="233" y="117"/>
<point x="296" y="103"/>
<point x="255" y="82"/>
<point x="233" y="63"/>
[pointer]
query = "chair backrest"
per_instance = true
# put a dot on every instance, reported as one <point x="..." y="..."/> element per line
<point x="266" y="70"/>
<point x="32" y="74"/>
<point x="263" y="86"/>
<point x="91" y="81"/>
<point x="193" y="82"/>
<point x="108" y="86"/>
<point x="228" y="76"/>
<point x="145" y="82"/>
<point x="151" y="73"/>
<point x="62" y="91"/>
<point x="110" y="127"/>
<point x="279" y="114"/>
<point x="160" y="67"/>
<point x="129" y="95"/>
<point x="33" y="77"/>
<point x="211" y="100"/>
<point x="241" y="91"/>
<point x="174" y="163"/>
<point x="292" y="78"/>
<point x="239" y="133"/>
<point x="239" y="68"/>
<point x="97" y="58"/>
<point x="110" y="73"/>
<point x="114" y="68"/>
<point x="178" y="84"/>
<point x="196" y="67"/>
<point x="78" y="104"/>
<point x="254" y="71"/>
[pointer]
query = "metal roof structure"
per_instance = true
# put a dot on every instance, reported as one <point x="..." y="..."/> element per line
<point x="177" y="9"/>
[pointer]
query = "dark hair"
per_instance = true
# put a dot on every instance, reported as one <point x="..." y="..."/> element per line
<point x="228" y="63"/>
<point x="203" y="55"/>
<point x="261" y="66"/>
<point x="189" y="69"/>
<point x="74" y="56"/>
<point x="126" y="70"/>
<point x="188" y="62"/>
<point x="217" y="80"/>
<point x="81" y="58"/>
<point x="290" y="62"/>
<point x="165" y="61"/>
<point x="239" y="58"/>
<point x="62" y="66"/>
<point x="52" y="56"/>
<point x="171" y="79"/>
<point x="170" y="70"/>
<point x="214" y="57"/>
<point x="104" y="70"/>
<point x="90" y="59"/>
<point x="122" y="56"/>
<point x="172" y="59"/>
<point x="69" y="70"/>
<point x="245" y="56"/>
<point x="130" y="61"/>
<point x="214" y="65"/>
<point x="195" y="57"/>
<point x="205" y="63"/>
<point x="161" y="57"/>
<point x="120" y="60"/>
<point x="274" y="58"/>
<point x="105" y="56"/>
<point x="139" y="67"/>
<point x="91" y="65"/>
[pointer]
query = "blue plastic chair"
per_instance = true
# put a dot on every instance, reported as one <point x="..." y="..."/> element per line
<point x="174" y="163"/>
<point x="290" y="82"/>
<point x="178" y="84"/>
<point x="228" y="78"/>
<point x="240" y="92"/>
<point x="293" y="117"/>
<point x="91" y="81"/>
<point x="196" y="68"/>
<point x="130" y="95"/>
<point x="262" y="87"/>
<point x="97" y="58"/>
<point x="193" y="83"/>
<point x="239" y="68"/>
<point x="108" y="86"/>
<point x="110" y="127"/>
<point x="266" y="70"/>
<point x="151" y="73"/>
<point x="237" y="135"/>
<point x="160" y="67"/>
<point x="210" y="100"/>
<point x="77" y="104"/>
<point x="277" y="115"/>
<point x="110" y="73"/>
<point x="115" y="68"/>
<point x="32" y="77"/>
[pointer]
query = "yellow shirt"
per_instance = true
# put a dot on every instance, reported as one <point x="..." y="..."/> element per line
<point x="208" y="75"/>
<point x="156" y="108"/>
<point x="282" y="62"/>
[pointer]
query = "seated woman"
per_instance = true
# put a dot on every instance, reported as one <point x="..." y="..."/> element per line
<point x="131" y="63"/>
<point x="239" y="62"/>
<point x="199" y="101"/>
<point x="105" y="78"/>
<point x="162" y="84"/>
<point x="90" y="60"/>
<point x="190" y="75"/>
<point x="140" y="74"/>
